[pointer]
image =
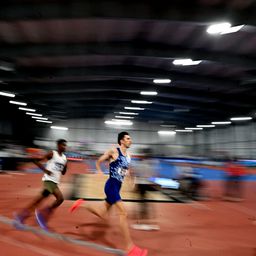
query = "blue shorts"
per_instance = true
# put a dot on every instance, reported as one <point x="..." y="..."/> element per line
<point x="112" y="191"/>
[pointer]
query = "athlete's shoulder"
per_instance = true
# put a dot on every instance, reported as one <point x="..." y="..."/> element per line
<point x="50" y="154"/>
<point x="112" y="151"/>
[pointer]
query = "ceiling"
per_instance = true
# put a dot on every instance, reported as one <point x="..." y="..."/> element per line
<point x="89" y="59"/>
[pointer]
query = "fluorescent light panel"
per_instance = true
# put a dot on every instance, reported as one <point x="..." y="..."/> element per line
<point x="232" y="30"/>
<point x="125" y="117"/>
<point x="166" y="132"/>
<point x="193" y="128"/>
<point x="39" y="118"/>
<point x="149" y="93"/>
<point x="33" y="114"/>
<point x="42" y="121"/>
<point x="134" y="108"/>
<point x="7" y="94"/>
<point x="27" y="109"/>
<point x="224" y="122"/>
<point x="186" y="62"/>
<point x="118" y="123"/>
<point x="206" y="126"/>
<point x="162" y="81"/>
<point x="18" y="103"/>
<point x="6" y="68"/>
<point x="183" y="131"/>
<point x="141" y="102"/>
<point x="59" y="128"/>
<point x="241" y="118"/>
<point x="218" y="28"/>
<point x="223" y="28"/>
<point x="128" y="113"/>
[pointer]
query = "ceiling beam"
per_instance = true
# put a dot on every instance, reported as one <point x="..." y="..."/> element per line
<point x="136" y="50"/>
<point x="179" y="10"/>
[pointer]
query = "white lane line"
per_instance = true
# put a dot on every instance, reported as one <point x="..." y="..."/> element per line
<point x="30" y="247"/>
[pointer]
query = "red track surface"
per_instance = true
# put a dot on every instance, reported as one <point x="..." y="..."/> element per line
<point x="205" y="228"/>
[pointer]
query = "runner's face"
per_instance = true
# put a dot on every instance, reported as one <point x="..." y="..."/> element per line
<point x="126" y="141"/>
<point x="62" y="147"/>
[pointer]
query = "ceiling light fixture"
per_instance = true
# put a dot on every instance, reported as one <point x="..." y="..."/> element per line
<point x="166" y="133"/>
<point x="223" y="28"/>
<point x="42" y="121"/>
<point x="118" y="123"/>
<point x="39" y="118"/>
<point x="183" y="131"/>
<point x="148" y="93"/>
<point x="18" y="103"/>
<point x="186" y="62"/>
<point x="206" y="126"/>
<point x="141" y="102"/>
<point x="128" y="113"/>
<point x="125" y="117"/>
<point x="134" y="108"/>
<point x="6" y="94"/>
<point x="224" y="122"/>
<point x="193" y="128"/>
<point x="241" y="118"/>
<point x="162" y="81"/>
<point x="59" y="128"/>
<point x="33" y="114"/>
<point x="27" y="109"/>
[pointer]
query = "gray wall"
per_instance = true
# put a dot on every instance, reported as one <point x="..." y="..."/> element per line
<point x="99" y="136"/>
<point x="236" y="139"/>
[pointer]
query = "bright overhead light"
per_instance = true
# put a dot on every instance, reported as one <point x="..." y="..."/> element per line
<point x="125" y="117"/>
<point x="162" y="81"/>
<point x="42" y="121"/>
<point x="27" y="109"/>
<point x="148" y="93"/>
<point x="39" y="118"/>
<point x="59" y="128"/>
<point x="141" y="102"/>
<point x="118" y="122"/>
<point x="225" y="122"/>
<point x="218" y="28"/>
<point x="232" y="30"/>
<point x="241" y="118"/>
<point x="166" y="133"/>
<point x="33" y="114"/>
<point x="18" y="103"/>
<point x="6" y="94"/>
<point x="193" y="128"/>
<point x="186" y="62"/>
<point x="206" y="126"/>
<point x="183" y="131"/>
<point x="128" y="113"/>
<point x="134" y="108"/>
<point x="6" y="66"/>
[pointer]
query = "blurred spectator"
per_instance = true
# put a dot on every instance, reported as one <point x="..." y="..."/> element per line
<point x="144" y="170"/>
<point x="190" y="180"/>
<point x="234" y="180"/>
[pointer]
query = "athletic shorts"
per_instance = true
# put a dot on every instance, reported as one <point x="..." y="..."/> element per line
<point x="112" y="191"/>
<point x="50" y="186"/>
